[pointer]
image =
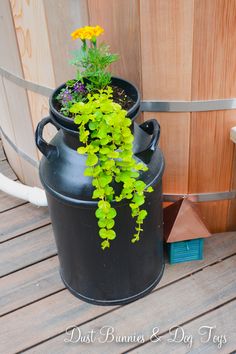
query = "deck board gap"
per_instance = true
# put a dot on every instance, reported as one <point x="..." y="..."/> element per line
<point x="25" y="233"/>
<point x="13" y="207"/>
<point x="114" y="309"/>
<point x="183" y="324"/>
<point x="61" y="332"/>
<point x="194" y="272"/>
<point x="28" y="265"/>
<point x="155" y="290"/>
<point x="138" y="346"/>
<point x="32" y="302"/>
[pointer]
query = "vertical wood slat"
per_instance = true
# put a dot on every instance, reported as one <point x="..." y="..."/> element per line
<point x="15" y="120"/>
<point x="214" y="68"/>
<point x="61" y="20"/>
<point x="120" y="19"/>
<point x="33" y="42"/>
<point x="43" y="33"/>
<point x="6" y="30"/>
<point x="166" y="47"/>
<point x="232" y="205"/>
<point x="6" y="124"/>
<point x="174" y="142"/>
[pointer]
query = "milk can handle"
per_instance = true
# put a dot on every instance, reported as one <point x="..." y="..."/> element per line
<point x="151" y="127"/>
<point x="48" y="150"/>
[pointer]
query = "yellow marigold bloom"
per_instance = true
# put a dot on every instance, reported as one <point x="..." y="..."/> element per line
<point x="75" y="34"/>
<point x="97" y="31"/>
<point x="87" y="32"/>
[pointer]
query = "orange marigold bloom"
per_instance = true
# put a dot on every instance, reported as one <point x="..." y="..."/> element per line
<point x="97" y="31"/>
<point x="76" y="34"/>
<point x="87" y="32"/>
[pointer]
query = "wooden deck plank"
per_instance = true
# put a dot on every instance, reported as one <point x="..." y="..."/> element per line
<point x="27" y="249"/>
<point x="43" y="319"/>
<point x="215" y="249"/>
<point x="30" y="284"/>
<point x="224" y="320"/>
<point x="8" y="202"/>
<point x="21" y="220"/>
<point x="207" y="289"/>
<point x="7" y="171"/>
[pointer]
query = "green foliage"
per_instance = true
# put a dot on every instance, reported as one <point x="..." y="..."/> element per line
<point x="104" y="131"/>
<point x="92" y="64"/>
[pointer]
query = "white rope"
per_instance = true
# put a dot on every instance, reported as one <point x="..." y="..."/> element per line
<point x="33" y="195"/>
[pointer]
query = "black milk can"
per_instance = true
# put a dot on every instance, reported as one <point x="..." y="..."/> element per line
<point x="125" y="271"/>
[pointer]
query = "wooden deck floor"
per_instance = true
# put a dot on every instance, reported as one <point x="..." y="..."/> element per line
<point x="36" y="308"/>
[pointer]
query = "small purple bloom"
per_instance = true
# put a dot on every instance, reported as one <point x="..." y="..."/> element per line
<point x="78" y="87"/>
<point x="66" y="96"/>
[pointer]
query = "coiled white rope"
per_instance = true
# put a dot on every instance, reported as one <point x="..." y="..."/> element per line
<point x="33" y="195"/>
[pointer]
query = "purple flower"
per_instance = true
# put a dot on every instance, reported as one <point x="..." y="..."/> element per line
<point x="78" y="87"/>
<point x="66" y="96"/>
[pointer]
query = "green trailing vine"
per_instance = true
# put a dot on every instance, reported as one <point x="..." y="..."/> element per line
<point x="107" y="140"/>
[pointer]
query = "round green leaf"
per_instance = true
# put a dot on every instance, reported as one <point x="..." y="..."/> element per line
<point x="139" y="185"/>
<point x="142" y="214"/>
<point x="110" y="224"/>
<point x="98" y="193"/>
<point x="138" y="199"/>
<point x="88" y="171"/>
<point x="91" y="160"/>
<point x="103" y="233"/>
<point x="111" y="213"/>
<point x="100" y="214"/>
<point x="102" y="223"/>
<point x="111" y="235"/>
<point x="104" y="150"/>
<point x="82" y="150"/>
<point x="104" y="205"/>
<point x="93" y="125"/>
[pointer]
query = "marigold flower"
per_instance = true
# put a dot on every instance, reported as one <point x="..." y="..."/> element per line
<point x="76" y="34"/>
<point x="87" y="32"/>
<point x="97" y="31"/>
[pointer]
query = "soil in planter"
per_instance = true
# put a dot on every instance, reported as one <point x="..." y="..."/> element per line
<point x="119" y="96"/>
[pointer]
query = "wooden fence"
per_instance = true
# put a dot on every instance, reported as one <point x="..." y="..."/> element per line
<point x="171" y="49"/>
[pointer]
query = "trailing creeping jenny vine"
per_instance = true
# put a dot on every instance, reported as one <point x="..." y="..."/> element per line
<point x="104" y="131"/>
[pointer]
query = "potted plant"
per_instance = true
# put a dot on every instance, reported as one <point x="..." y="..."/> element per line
<point x="102" y="174"/>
